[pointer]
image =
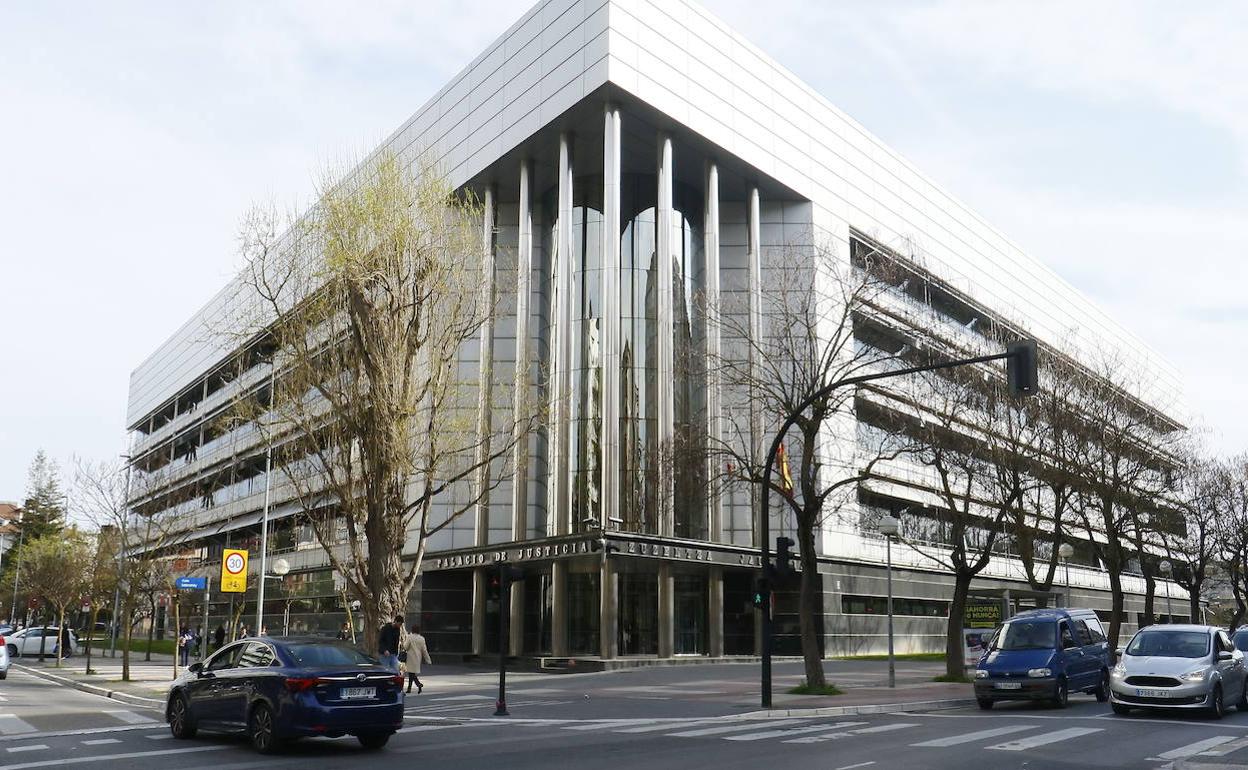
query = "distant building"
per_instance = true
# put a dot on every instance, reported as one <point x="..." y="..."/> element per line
<point x="632" y="155"/>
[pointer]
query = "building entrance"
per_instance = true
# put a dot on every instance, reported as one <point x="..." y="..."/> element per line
<point x="639" y="613"/>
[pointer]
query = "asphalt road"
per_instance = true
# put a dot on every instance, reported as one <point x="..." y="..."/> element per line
<point x="678" y="719"/>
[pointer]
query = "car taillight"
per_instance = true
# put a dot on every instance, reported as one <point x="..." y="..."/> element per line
<point x="397" y="680"/>
<point x="300" y="684"/>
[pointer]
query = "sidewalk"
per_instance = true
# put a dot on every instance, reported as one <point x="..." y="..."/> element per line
<point x="924" y="696"/>
<point x="149" y="680"/>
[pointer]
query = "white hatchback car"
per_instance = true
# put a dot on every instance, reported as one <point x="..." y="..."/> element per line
<point x="4" y="658"/>
<point x="32" y="641"/>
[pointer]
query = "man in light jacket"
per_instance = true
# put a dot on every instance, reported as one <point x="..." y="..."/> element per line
<point x="415" y="651"/>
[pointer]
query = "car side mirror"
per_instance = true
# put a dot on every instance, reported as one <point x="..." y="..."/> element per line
<point x="1224" y="655"/>
<point x="1120" y="651"/>
<point x="195" y="668"/>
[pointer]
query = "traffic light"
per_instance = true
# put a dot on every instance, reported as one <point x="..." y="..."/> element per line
<point x="1020" y="367"/>
<point x="762" y="593"/>
<point x="784" y="557"/>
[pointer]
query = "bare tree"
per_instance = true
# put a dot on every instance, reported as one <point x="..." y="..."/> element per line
<point x="1203" y="494"/>
<point x="369" y="302"/>
<point x="810" y="299"/>
<point x="1120" y="453"/>
<point x="102" y="491"/>
<point x="100" y="580"/>
<point x="1232" y="531"/>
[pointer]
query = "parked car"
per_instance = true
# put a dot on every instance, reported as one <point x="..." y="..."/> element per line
<point x="278" y="689"/>
<point x="1241" y="639"/>
<point x="28" y="641"/>
<point x="1044" y="655"/>
<point x="5" y="660"/>
<point x="1180" y="666"/>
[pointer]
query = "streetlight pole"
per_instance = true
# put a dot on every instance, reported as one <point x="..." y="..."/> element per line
<point x="264" y="516"/>
<point x="1166" y="568"/>
<point x="889" y="527"/>
<point x="1066" y="550"/>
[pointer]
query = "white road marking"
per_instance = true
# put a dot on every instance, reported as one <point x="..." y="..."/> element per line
<point x="160" y="737"/>
<point x="650" y="728"/>
<point x="613" y="724"/>
<point x="1226" y="748"/>
<point x="462" y="697"/>
<point x="107" y="757"/>
<point x="954" y="740"/>
<point x="793" y="731"/>
<point x="100" y="742"/>
<point x="860" y="764"/>
<point x="1042" y="739"/>
<point x="1195" y="748"/>
<point x="849" y="733"/>
<point x="129" y="717"/>
<point x="11" y="725"/>
<point x="732" y="728"/>
<point x="31" y="747"/>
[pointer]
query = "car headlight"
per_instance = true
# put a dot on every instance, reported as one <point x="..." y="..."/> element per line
<point x="1118" y="671"/>
<point x="981" y="674"/>
<point x="1039" y="673"/>
<point x="1195" y="676"/>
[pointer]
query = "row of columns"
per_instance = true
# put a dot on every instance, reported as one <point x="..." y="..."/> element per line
<point x="563" y="339"/>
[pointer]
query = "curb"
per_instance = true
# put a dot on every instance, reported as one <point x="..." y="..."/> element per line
<point x="117" y="695"/>
<point x="872" y="708"/>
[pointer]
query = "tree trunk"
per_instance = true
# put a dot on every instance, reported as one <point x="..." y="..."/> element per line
<point x="1193" y="603"/>
<point x="151" y="631"/>
<point x="810" y="608"/>
<point x="177" y="629"/>
<point x="1116" y="606"/>
<point x="127" y="612"/>
<point x="955" y="666"/>
<point x="60" y="635"/>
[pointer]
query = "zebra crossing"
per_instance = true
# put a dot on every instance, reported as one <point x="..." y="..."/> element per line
<point x="1007" y="738"/>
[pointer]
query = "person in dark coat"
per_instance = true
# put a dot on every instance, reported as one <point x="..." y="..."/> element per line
<point x="218" y="637"/>
<point x="388" y="643"/>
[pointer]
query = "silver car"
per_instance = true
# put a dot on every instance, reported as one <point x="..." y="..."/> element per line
<point x="1185" y="667"/>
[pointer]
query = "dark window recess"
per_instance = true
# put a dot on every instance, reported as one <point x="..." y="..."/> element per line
<point x="878" y="605"/>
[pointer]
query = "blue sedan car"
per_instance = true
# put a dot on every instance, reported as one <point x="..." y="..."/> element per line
<point x="280" y="689"/>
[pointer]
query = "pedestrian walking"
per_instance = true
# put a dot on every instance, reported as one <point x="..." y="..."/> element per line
<point x="218" y="636"/>
<point x="185" y="640"/>
<point x="413" y="652"/>
<point x="388" y="639"/>
<point x="242" y="631"/>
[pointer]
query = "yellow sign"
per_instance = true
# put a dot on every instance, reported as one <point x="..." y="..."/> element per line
<point x="234" y="571"/>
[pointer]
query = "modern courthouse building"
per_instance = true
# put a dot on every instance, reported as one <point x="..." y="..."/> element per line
<point x="634" y="155"/>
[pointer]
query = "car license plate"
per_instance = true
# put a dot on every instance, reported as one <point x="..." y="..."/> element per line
<point x="1008" y="685"/>
<point x="357" y="693"/>
<point x="1151" y="693"/>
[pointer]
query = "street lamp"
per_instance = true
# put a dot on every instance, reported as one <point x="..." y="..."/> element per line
<point x="889" y="527"/>
<point x="280" y="568"/>
<point x="1166" y="568"/>
<point x="1066" y="550"/>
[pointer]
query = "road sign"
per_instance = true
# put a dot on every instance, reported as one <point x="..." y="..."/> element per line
<point x="190" y="583"/>
<point x="234" y="571"/>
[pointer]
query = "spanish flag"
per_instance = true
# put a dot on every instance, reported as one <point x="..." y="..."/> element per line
<point x="782" y="465"/>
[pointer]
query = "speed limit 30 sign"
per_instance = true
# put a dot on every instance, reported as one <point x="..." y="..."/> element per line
<point x="234" y="571"/>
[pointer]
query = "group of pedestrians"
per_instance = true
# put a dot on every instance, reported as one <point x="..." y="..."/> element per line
<point x="403" y="651"/>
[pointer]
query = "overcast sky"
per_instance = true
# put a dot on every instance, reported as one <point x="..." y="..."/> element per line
<point x="1108" y="139"/>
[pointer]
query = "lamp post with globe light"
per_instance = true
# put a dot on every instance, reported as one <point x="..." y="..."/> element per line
<point x="889" y="527"/>
<point x="1066" y="550"/>
<point x="280" y="568"/>
<point x="1166" y="568"/>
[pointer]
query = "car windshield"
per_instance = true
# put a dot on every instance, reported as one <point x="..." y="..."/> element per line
<point x="1025" y="635"/>
<point x="313" y="654"/>
<point x="1170" y="644"/>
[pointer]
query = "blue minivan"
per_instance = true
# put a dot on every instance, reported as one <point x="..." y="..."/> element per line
<point x="1044" y="655"/>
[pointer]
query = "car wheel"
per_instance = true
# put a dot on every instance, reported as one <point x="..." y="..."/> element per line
<point x="1102" y="690"/>
<point x="984" y="703"/>
<point x="260" y="729"/>
<point x="12" y="650"/>
<point x="1061" y="695"/>
<point x="1120" y="708"/>
<point x="1217" y="707"/>
<point x="373" y="741"/>
<point x="181" y="722"/>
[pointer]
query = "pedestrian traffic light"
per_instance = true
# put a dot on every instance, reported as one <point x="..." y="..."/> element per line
<point x="762" y="593"/>
<point x="1020" y="368"/>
